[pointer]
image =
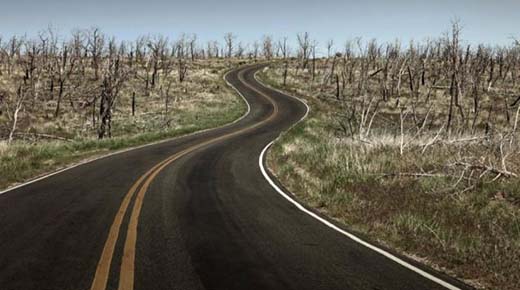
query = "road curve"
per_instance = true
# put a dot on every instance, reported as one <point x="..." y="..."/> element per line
<point x="190" y="213"/>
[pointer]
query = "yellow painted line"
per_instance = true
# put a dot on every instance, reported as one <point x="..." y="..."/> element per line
<point x="126" y="275"/>
<point x="103" y="267"/>
<point x="126" y="279"/>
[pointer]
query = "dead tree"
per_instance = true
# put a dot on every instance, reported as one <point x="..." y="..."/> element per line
<point x="13" y="104"/>
<point x="304" y="43"/>
<point x="454" y="68"/>
<point x="267" y="47"/>
<point x="330" y="45"/>
<point x="256" y="50"/>
<point x="314" y="46"/>
<point x="229" y="38"/>
<point x="212" y="49"/>
<point x="66" y="65"/>
<point x="240" y="50"/>
<point x="157" y="48"/>
<point x="166" y="86"/>
<point x="192" y="44"/>
<point x="182" y="66"/>
<point x="11" y="53"/>
<point x="96" y="43"/>
<point x="114" y="77"/>
<point x="285" y="50"/>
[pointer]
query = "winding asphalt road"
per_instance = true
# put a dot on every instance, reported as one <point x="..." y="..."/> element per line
<point x="195" y="212"/>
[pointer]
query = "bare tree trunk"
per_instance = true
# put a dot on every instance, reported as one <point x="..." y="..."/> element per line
<point x="58" y="103"/>
<point x="20" y="96"/>
<point x="450" y="111"/>
<point x="133" y="103"/>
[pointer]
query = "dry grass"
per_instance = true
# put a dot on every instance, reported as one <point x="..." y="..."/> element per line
<point x="202" y="101"/>
<point x="418" y="201"/>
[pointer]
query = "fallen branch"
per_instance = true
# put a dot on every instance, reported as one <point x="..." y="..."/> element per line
<point x="433" y="141"/>
<point x="465" y="140"/>
<point x="45" y="136"/>
<point x="412" y="174"/>
<point x="485" y="169"/>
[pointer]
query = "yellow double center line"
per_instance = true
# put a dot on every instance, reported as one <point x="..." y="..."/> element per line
<point x="126" y="275"/>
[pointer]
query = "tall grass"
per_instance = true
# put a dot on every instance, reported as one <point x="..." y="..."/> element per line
<point x="471" y="230"/>
<point x="197" y="110"/>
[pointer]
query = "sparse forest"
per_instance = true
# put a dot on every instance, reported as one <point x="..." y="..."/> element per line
<point x="65" y="98"/>
<point x="416" y="145"/>
<point x="420" y="97"/>
<point x="81" y="79"/>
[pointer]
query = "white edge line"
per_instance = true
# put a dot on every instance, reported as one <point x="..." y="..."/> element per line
<point x="137" y="147"/>
<point x="331" y="225"/>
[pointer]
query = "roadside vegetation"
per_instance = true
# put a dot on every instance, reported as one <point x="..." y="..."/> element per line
<point x="63" y="100"/>
<point x="415" y="146"/>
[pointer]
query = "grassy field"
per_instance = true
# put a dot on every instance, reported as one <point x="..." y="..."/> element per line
<point x="401" y="192"/>
<point x="202" y="101"/>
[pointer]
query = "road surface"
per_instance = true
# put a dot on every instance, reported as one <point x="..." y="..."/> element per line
<point x="195" y="212"/>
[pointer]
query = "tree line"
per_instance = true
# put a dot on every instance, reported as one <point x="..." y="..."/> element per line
<point x="89" y="69"/>
<point x="439" y="92"/>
